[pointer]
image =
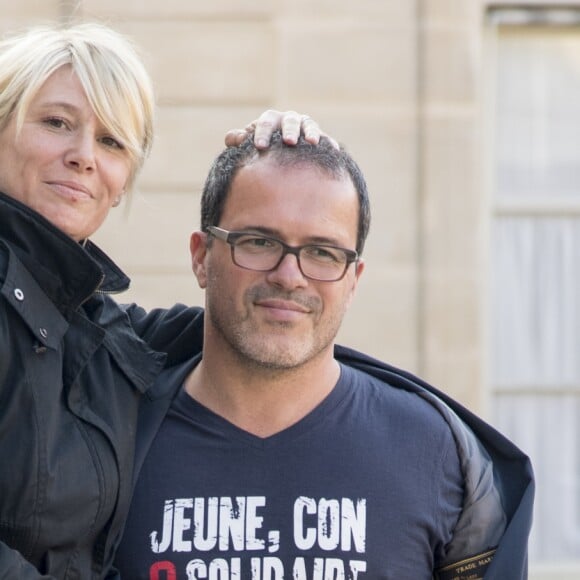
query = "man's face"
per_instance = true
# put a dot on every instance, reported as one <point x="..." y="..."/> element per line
<point x="278" y="319"/>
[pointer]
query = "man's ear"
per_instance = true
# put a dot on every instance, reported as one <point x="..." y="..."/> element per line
<point x="359" y="269"/>
<point x="198" y="251"/>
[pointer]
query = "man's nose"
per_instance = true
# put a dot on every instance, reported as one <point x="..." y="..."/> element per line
<point x="288" y="273"/>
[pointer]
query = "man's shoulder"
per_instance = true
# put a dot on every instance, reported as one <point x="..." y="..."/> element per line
<point x="378" y="369"/>
<point x="409" y="405"/>
<point x="402" y="380"/>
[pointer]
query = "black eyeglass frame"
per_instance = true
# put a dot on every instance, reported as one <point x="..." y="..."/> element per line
<point x="230" y="237"/>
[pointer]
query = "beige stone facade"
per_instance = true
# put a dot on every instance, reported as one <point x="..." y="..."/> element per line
<point x="397" y="82"/>
<point x="402" y="83"/>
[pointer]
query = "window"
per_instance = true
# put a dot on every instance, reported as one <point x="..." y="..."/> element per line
<point x="535" y="262"/>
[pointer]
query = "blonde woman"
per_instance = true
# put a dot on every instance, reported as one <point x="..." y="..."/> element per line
<point x="76" y="124"/>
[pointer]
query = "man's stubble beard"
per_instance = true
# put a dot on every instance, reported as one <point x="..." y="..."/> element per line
<point x="255" y="346"/>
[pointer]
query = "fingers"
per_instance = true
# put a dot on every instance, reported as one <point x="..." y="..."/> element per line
<point x="310" y="129"/>
<point x="290" y="123"/>
<point x="235" y="137"/>
<point x="291" y="126"/>
<point x="270" y="121"/>
<point x="294" y="124"/>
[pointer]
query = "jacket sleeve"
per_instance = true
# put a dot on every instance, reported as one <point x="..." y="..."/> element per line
<point x="14" y="565"/>
<point x="492" y="533"/>
<point x="483" y="520"/>
<point x="499" y="484"/>
<point x="113" y="574"/>
<point x="177" y="331"/>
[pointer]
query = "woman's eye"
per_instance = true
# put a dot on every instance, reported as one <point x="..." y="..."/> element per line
<point x="56" y="122"/>
<point x="112" y="142"/>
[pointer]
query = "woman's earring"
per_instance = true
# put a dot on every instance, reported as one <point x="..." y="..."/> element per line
<point x="117" y="201"/>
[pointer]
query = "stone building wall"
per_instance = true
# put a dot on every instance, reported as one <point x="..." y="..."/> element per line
<point x="397" y="82"/>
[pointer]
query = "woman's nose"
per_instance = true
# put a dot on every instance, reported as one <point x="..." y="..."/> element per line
<point x="81" y="154"/>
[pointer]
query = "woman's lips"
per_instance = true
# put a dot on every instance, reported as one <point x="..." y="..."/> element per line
<point x="70" y="189"/>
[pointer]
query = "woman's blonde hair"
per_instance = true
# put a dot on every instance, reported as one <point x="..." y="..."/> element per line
<point x="111" y="72"/>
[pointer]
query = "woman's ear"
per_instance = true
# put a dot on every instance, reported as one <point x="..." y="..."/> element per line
<point x="198" y="251"/>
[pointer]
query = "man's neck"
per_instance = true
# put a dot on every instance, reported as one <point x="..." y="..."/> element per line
<point x="259" y="400"/>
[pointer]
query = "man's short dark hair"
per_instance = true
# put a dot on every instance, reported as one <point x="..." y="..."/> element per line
<point x="333" y="162"/>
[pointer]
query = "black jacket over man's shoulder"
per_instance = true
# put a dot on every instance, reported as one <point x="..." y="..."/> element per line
<point x="512" y="468"/>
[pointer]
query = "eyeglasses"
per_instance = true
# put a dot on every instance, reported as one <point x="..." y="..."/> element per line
<point x="263" y="254"/>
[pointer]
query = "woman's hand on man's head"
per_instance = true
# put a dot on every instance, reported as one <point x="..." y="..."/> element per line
<point x="291" y="123"/>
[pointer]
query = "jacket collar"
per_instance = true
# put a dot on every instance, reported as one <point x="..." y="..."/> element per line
<point x="67" y="271"/>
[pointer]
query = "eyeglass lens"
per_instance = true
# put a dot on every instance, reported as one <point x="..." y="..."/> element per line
<point x="315" y="261"/>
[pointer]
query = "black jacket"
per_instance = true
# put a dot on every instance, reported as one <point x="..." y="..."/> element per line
<point x="499" y="485"/>
<point x="72" y="371"/>
<point x="512" y="473"/>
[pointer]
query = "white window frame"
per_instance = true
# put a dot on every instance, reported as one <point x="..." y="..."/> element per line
<point x="526" y="13"/>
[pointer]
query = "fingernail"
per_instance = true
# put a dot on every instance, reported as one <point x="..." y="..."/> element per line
<point x="261" y="142"/>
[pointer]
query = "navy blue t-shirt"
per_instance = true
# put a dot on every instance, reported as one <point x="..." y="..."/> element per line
<point x="366" y="486"/>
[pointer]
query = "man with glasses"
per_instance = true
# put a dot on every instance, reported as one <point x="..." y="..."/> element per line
<point x="276" y="454"/>
<point x="321" y="262"/>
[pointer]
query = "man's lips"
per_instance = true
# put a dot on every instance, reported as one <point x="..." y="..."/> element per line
<point x="277" y="304"/>
<point x="283" y="311"/>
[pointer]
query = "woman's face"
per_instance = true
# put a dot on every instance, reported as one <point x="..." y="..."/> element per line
<point x="64" y="164"/>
